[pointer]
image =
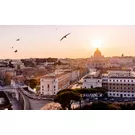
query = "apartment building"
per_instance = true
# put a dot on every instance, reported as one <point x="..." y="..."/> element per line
<point x="120" y="86"/>
<point x="119" y="83"/>
<point x="52" y="83"/>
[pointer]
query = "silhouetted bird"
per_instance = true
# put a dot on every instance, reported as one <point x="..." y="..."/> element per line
<point x="12" y="47"/>
<point x="65" y="36"/>
<point x="18" y="39"/>
<point x="16" y="51"/>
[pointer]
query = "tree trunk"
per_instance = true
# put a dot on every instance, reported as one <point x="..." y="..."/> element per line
<point x="69" y="106"/>
<point x="80" y="104"/>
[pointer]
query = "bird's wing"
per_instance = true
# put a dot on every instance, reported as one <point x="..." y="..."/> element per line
<point x="67" y="34"/>
<point x="62" y="38"/>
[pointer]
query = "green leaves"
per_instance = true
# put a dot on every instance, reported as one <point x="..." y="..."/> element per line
<point x="66" y="98"/>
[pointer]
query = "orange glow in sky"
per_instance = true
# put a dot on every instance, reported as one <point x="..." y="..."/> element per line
<point x="44" y="41"/>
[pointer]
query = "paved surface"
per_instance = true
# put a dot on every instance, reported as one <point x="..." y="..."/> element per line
<point x="38" y="104"/>
<point x="15" y="104"/>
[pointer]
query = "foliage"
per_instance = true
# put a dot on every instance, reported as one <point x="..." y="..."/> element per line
<point x="66" y="98"/>
<point x="32" y="83"/>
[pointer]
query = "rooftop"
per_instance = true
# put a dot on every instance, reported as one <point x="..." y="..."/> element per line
<point x="53" y="75"/>
<point x="119" y="69"/>
<point x="123" y="77"/>
<point x="92" y="77"/>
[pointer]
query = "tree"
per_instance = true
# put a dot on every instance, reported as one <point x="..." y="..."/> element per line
<point x="66" y="98"/>
<point x="32" y="83"/>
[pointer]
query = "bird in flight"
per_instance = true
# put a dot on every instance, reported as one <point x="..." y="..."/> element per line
<point x="65" y="36"/>
<point x="18" y="39"/>
<point x="12" y="47"/>
<point x="15" y="51"/>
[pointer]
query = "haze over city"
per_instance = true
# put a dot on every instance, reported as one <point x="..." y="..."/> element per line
<point x="44" y="41"/>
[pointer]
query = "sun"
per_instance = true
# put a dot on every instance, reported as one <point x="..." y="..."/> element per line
<point x="97" y="43"/>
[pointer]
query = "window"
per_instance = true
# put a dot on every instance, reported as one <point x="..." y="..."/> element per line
<point x="110" y="94"/>
<point x="42" y="86"/>
<point x="117" y="80"/>
<point x="113" y="80"/>
<point x="128" y="88"/>
<point x="128" y="95"/>
<point x="124" y="94"/>
<point x="54" y="93"/>
<point x="124" y="81"/>
<point x="128" y="80"/>
<point x="132" y="95"/>
<point x="121" y="87"/>
<point x="114" y="94"/>
<point x="132" y="88"/>
<point x="131" y="80"/>
<point x="98" y="81"/>
<point x="132" y="84"/>
<point x="117" y="94"/>
<point x="120" y="80"/>
<point x="54" y="87"/>
<point x="132" y="91"/>
<point x="48" y="86"/>
<point x="128" y="91"/>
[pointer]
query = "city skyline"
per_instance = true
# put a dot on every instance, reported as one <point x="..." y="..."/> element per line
<point x="44" y="41"/>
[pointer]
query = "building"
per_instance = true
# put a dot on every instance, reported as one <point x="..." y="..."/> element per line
<point x="118" y="83"/>
<point x="97" y="61"/>
<point x="75" y="75"/>
<point x="92" y="82"/>
<point x="120" y="86"/>
<point x="120" y="72"/>
<point x="52" y="83"/>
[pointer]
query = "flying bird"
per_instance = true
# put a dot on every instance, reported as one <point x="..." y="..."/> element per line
<point x="65" y="36"/>
<point x="15" y="51"/>
<point x="18" y="39"/>
<point x="12" y="47"/>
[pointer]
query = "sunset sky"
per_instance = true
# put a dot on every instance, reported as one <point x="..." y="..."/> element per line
<point x="44" y="41"/>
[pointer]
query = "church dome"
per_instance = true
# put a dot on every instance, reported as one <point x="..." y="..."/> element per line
<point x="97" y="53"/>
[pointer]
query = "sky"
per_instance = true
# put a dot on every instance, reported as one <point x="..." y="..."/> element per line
<point x="43" y="41"/>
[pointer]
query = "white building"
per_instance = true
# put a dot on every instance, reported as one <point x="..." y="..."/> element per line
<point x="119" y="83"/>
<point x="120" y="72"/>
<point x="92" y="82"/>
<point x="52" y="83"/>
